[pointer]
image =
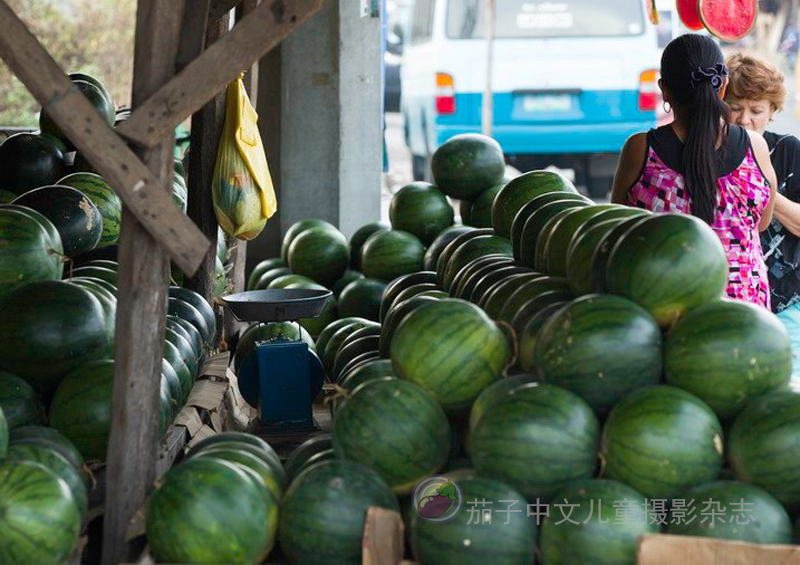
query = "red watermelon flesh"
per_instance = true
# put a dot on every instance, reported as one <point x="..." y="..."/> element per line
<point x="689" y="13"/>
<point x="652" y="12"/>
<point x="729" y="20"/>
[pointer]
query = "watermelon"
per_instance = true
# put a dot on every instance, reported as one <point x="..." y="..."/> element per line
<point x="352" y="350"/>
<point x="97" y="98"/>
<point x="324" y="525"/>
<point x="742" y="512"/>
<point x="528" y="334"/>
<point x="195" y="338"/>
<point x="465" y="212"/>
<point x="522" y="190"/>
<point x="580" y="252"/>
<point x="493" y="393"/>
<point x="480" y="214"/>
<point x="529" y="290"/>
<point x="51" y="439"/>
<point x="50" y="329"/>
<point x="245" y="442"/>
<point x="537" y="423"/>
<point x="166" y="407"/>
<point x="371" y="428"/>
<point x="728" y="353"/>
<point x="467" y="164"/>
<point x="57" y="463"/>
<point x="495" y="298"/>
<point x="245" y="458"/>
<point x="442" y="240"/>
<point x="471" y="539"/>
<point x="420" y="209"/>
<point x="600" y="256"/>
<point x="173" y="382"/>
<point x="3" y="434"/>
<point x="336" y="340"/>
<point x="296" y="229"/>
<point x="92" y="80"/>
<point x="360" y="237"/>
<point x="321" y="254"/>
<point x="105" y="263"/>
<point x="411" y="292"/>
<point x="347" y="278"/>
<point x="472" y="249"/>
<point x="331" y="329"/>
<point x="358" y="361"/>
<point x="74" y="215"/>
<point x="466" y="279"/>
<point x="486" y="283"/>
<point x="95" y="272"/>
<point x="532" y="206"/>
<point x="6" y="197"/>
<point x="108" y="203"/>
<point x="535" y="224"/>
<point x="452" y="247"/>
<point x="689" y="13"/>
<point x="267" y="278"/>
<point x="399" y="284"/>
<point x="614" y="212"/>
<point x="578" y="349"/>
<point x="39" y="518"/>
<point x="207" y="510"/>
<point x="662" y="440"/>
<point x="452" y="350"/>
<point x="48" y="226"/>
<point x="370" y="370"/>
<point x="270" y="331"/>
<point x="28" y="161"/>
<point x="184" y="310"/>
<point x="109" y="304"/>
<point x="362" y="299"/>
<point x="19" y="402"/>
<point x="540" y="252"/>
<point x="559" y="238"/>
<point x="395" y="317"/>
<point x="387" y="255"/>
<point x="535" y="306"/>
<point x="184" y="349"/>
<point x="762" y="446"/>
<point x="604" y="533"/>
<point x="195" y="343"/>
<point x="261" y="268"/>
<point x="729" y="21"/>
<point x="301" y="454"/>
<point x="27" y="254"/>
<point x="330" y="311"/>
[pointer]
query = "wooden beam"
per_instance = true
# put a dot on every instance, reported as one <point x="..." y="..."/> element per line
<point x="193" y="32"/>
<point x="93" y="137"/>
<point x="209" y="74"/>
<point x="221" y="8"/>
<point x="142" y="301"/>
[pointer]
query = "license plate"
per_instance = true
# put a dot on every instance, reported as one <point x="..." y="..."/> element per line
<point x="547" y="103"/>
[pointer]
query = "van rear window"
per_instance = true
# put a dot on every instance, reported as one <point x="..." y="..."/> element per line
<point x="546" y="18"/>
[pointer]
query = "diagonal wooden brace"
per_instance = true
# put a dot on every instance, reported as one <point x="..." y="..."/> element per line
<point x="105" y="150"/>
<point x="219" y="8"/>
<point x="259" y="32"/>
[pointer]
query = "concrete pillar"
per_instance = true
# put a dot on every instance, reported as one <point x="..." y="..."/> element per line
<point x="320" y="111"/>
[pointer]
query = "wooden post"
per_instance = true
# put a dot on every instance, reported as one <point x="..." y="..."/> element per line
<point x="488" y="99"/>
<point x="142" y="301"/>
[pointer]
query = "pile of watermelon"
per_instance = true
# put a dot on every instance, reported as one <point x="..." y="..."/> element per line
<point x="729" y="20"/>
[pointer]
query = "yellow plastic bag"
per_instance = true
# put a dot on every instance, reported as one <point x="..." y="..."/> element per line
<point x="242" y="190"/>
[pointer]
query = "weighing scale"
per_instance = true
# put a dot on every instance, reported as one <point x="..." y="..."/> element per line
<point x="284" y="374"/>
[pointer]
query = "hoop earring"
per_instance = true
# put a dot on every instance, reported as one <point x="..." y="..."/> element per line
<point x="664" y="106"/>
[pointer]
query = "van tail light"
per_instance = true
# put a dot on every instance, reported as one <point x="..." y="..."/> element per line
<point x="648" y="91"/>
<point x="445" y="94"/>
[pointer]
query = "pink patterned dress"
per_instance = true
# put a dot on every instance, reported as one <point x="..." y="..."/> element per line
<point x="743" y="195"/>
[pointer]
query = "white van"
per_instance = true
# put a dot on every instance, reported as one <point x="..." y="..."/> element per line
<point x="572" y="79"/>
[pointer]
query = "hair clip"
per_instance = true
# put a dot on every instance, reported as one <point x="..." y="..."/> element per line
<point x="715" y="74"/>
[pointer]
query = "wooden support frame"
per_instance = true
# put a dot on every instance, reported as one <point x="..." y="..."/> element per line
<point x="221" y="8"/>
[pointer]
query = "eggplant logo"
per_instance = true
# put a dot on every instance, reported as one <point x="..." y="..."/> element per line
<point x="437" y="499"/>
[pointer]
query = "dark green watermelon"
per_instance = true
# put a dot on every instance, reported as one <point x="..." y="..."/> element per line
<point x="465" y="211"/>
<point x="442" y="240"/>
<point x="359" y="238"/>
<point x="173" y="382"/>
<point x="662" y="440"/>
<point x="420" y="209"/>
<point x="77" y="219"/>
<point x="193" y="333"/>
<point x="348" y="277"/>
<point x="669" y="264"/>
<point x="358" y="361"/>
<point x="321" y="254"/>
<point x="96" y="97"/>
<point x="184" y="310"/>
<point x="496" y="296"/>
<point x="95" y="272"/>
<point x="531" y="207"/>
<point x="762" y="446"/>
<point x="3" y="433"/>
<point x="194" y="345"/>
<point x="411" y="292"/>
<point x="268" y="277"/>
<point x="467" y="164"/>
<point x="453" y="246"/>
<point x="535" y="306"/>
<point x="51" y="439"/>
<point x="27" y="254"/>
<point x="370" y="370"/>
<point x="480" y="214"/>
<point x="540" y="253"/>
<point x="336" y="340"/>
<point x="50" y="328"/>
<point x="330" y="311"/>
<point x="268" y="332"/>
<point x="602" y="253"/>
<point x="296" y="229"/>
<point x="109" y="303"/>
<point x="464" y="282"/>
<point x="472" y="249"/>
<point x="580" y="252"/>
<point x="399" y="284"/>
<point x="100" y="86"/>
<point x="362" y="299"/>
<point x="529" y="290"/>
<point x="561" y="236"/>
<point x="331" y="329"/>
<point x="387" y="255"/>
<point x="52" y="232"/>
<point x="492" y="393"/>
<point x="485" y="283"/>
<point x="6" y="197"/>
<point x="538" y="423"/>
<point x="606" y="520"/>
<point x="245" y="442"/>
<point x="352" y="350"/>
<point x="535" y="224"/>
<point x="185" y="352"/>
<point x="451" y="349"/>
<point x="522" y="190"/>
<point x="261" y="268"/>
<point x="395" y="317"/>
<point x="103" y="196"/>
<point x="728" y="353"/>
<point x="742" y="512"/>
<point x="28" y="161"/>
<point x="245" y="458"/>
<point x="616" y="212"/>
<point x="19" y="402"/>
<point x="578" y="349"/>
<point x="528" y="333"/>
<point x="304" y="451"/>
<point x="286" y="280"/>
<point x="39" y="517"/>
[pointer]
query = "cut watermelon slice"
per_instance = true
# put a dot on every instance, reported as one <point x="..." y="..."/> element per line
<point x="689" y="13"/>
<point x="728" y="20"/>
<point x="652" y="12"/>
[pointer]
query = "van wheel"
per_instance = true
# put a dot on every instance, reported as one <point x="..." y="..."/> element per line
<point x="599" y="188"/>
<point x="420" y="168"/>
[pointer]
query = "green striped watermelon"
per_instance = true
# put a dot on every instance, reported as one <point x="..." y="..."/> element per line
<point x="39" y="518"/>
<point x="106" y="200"/>
<point x="487" y="282"/>
<point x="321" y="254"/>
<point x="466" y="279"/>
<point x="662" y="440"/>
<point x="529" y="290"/>
<point x="536" y="424"/>
<point x="395" y="317"/>
<point x="532" y="230"/>
<point x="92" y="80"/>
<point x="669" y="264"/>
<point x="598" y="522"/>
<point x="578" y="349"/>
<point x="472" y="249"/>
<point x="467" y="164"/>
<point x="57" y="248"/>
<point x="398" y="285"/>
<point x="540" y="253"/>
<point x="207" y="510"/>
<point x="359" y="238"/>
<point x="602" y="253"/>
<point x="249" y="443"/>
<point x="471" y="539"/>
<point x="296" y="229"/>
<point x="728" y="353"/>
<point x="336" y="340"/>
<point x="19" y="402"/>
<point x="453" y="246"/>
<point x="762" y="446"/>
<point x="372" y="428"/>
<point x="184" y="310"/>
<point x="420" y="209"/>
<point x="96" y="97"/>
<point x="51" y="439"/>
<point x="194" y="346"/>
<point x="387" y="255"/>
<point x="368" y="371"/>
<point x="480" y="209"/>
<point x="267" y="278"/>
<point x="742" y="512"/>
<point x="261" y="268"/>
<point x="580" y="253"/>
<point x="246" y="458"/>
<point x="192" y="333"/>
<point x="109" y="303"/>
<point x="531" y="207"/>
<point x="522" y="190"/>
<point x="362" y="299"/>
<point x="465" y="211"/>
<point x="330" y="311"/>
<point x="534" y="308"/>
<point x="561" y="235"/>
<point x="95" y="272"/>
<point x="286" y="280"/>
<point x="268" y="332"/>
<point x="324" y="525"/>
<point x="528" y="336"/>
<point x="174" y="357"/>
<point x="173" y="382"/>
<point x="303" y="452"/>
<point x="330" y="329"/>
<point x="27" y="253"/>
<point x="28" y="161"/>
<point x="452" y="350"/>
<point x="491" y="394"/>
<point x="353" y="350"/>
<point x="348" y="277"/>
<point x="614" y="213"/>
<point x="442" y="240"/>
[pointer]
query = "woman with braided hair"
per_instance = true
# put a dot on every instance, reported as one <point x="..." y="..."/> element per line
<point x="702" y="166"/>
